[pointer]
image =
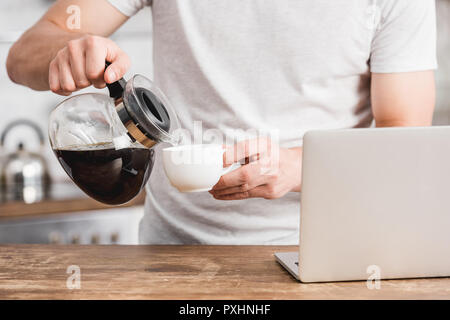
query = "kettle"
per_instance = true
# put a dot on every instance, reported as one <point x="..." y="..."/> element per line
<point x="105" y="143"/>
<point x="24" y="174"/>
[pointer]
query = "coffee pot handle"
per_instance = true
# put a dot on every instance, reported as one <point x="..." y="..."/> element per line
<point x="117" y="88"/>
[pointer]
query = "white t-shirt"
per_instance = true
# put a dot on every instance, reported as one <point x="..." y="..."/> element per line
<point x="291" y="65"/>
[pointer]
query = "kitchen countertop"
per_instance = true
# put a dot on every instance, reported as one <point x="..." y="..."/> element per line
<point x="179" y="272"/>
<point x="63" y="198"/>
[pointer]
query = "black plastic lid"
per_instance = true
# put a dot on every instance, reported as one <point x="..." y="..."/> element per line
<point x="147" y="107"/>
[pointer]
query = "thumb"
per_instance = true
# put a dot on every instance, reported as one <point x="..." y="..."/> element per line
<point x="117" y="68"/>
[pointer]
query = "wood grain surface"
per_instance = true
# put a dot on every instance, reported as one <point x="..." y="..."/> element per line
<point x="179" y="272"/>
<point x="14" y="210"/>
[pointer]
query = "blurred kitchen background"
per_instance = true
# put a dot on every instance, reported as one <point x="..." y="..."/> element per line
<point x="60" y="213"/>
<point x="65" y="215"/>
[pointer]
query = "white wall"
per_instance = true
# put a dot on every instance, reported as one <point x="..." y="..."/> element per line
<point x="20" y="102"/>
<point x="442" y="113"/>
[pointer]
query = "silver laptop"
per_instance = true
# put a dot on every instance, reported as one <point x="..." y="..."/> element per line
<point x="373" y="201"/>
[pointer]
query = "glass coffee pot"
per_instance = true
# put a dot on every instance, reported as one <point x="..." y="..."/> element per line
<point x="105" y="143"/>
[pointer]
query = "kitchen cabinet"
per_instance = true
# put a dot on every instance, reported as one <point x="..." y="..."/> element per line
<point x="105" y="226"/>
<point x="70" y="217"/>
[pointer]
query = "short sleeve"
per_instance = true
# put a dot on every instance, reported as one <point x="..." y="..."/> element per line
<point x="405" y="39"/>
<point x="130" y="7"/>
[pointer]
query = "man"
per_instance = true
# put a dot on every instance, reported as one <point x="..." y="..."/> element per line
<point x="287" y="65"/>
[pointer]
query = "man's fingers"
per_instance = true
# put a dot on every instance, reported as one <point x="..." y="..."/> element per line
<point x="53" y="77"/>
<point x="117" y="69"/>
<point x="251" y="175"/>
<point x="238" y="177"/>
<point x="234" y="196"/>
<point x="238" y="189"/>
<point x="253" y="183"/>
<point x="64" y="93"/>
<point x="261" y="191"/>
<point x="65" y="76"/>
<point x="95" y="62"/>
<point x="250" y="149"/>
<point x="82" y="63"/>
<point x="77" y="62"/>
<point x="97" y="55"/>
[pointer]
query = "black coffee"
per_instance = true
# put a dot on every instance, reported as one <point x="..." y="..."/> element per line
<point x="108" y="175"/>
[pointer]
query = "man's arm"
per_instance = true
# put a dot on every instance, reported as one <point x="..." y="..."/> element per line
<point x="398" y="99"/>
<point x="403" y="99"/>
<point x="50" y="55"/>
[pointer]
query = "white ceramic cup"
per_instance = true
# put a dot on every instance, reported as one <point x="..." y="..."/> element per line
<point x="195" y="168"/>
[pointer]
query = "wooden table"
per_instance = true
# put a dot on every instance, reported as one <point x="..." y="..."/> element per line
<point x="179" y="272"/>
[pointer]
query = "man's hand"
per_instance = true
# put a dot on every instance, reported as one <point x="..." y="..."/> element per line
<point x="270" y="171"/>
<point x="52" y="55"/>
<point x="82" y="63"/>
